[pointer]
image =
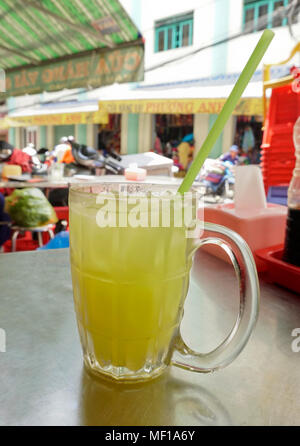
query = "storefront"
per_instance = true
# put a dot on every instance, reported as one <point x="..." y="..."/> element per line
<point x="253" y="124"/>
<point x="109" y="134"/>
<point x="131" y="126"/>
<point x="171" y="128"/>
<point x="172" y="119"/>
<point x="45" y="126"/>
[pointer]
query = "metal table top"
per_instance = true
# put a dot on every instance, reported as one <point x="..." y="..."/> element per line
<point x="64" y="182"/>
<point x="43" y="183"/>
<point x="43" y="382"/>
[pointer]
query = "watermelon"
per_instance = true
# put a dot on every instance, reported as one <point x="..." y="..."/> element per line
<point x="29" y="208"/>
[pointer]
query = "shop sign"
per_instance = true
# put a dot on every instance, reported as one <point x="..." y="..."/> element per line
<point x="246" y="106"/>
<point x="59" y="119"/>
<point x="94" y="70"/>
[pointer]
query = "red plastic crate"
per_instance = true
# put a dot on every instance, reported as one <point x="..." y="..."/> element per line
<point x="278" y="152"/>
<point x="278" y="156"/>
<point x="62" y="213"/>
<point x="276" y="177"/>
<point x="281" y="169"/>
<point x="280" y="272"/>
<point x="21" y="245"/>
<point x="26" y="242"/>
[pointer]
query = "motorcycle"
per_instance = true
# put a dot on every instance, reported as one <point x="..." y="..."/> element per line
<point x="10" y="155"/>
<point x="38" y="167"/>
<point x="91" y="159"/>
<point x="218" y="178"/>
<point x="28" y="158"/>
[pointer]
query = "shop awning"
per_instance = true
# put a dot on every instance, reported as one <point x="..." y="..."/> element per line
<point x="48" y="45"/>
<point x="192" y="100"/>
<point x="57" y="115"/>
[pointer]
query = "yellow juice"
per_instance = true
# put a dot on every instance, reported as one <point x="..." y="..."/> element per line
<point x="129" y="288"/>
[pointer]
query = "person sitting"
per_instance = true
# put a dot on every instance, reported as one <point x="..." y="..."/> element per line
<point x="231" y="155"/>
<point x="157" y="145"/>
<point x="248" y="142"/>
<point x="185" y="148"/>
<point x="190" y="161"/>
<point x="176" y="161"/>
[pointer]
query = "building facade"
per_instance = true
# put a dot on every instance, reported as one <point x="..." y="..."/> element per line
<point x="194" y="48"/>
<point x="210" y="42"/>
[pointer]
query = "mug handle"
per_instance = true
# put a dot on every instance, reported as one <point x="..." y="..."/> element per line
<point x="231" y="347"/>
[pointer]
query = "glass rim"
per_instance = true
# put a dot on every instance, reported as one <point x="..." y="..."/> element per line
<point x="131" y="189"/>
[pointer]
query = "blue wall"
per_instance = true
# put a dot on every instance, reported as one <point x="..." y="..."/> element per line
<point x="217" y="148"/>
<point x="82" y="133"/>
<point x="221" y="31"/>
<point x="133" y="133"/>
<point x="43" y="136"/>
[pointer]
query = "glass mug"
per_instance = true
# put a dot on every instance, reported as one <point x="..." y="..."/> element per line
<point x="130" y="282"/>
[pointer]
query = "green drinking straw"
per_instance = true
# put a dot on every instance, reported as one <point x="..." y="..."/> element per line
<point x="227" y="109"/>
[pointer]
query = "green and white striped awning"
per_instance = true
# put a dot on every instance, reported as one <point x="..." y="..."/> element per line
<point x="38" y="35"/>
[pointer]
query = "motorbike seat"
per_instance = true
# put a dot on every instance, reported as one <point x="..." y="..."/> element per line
<point x="82" y="152"/>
